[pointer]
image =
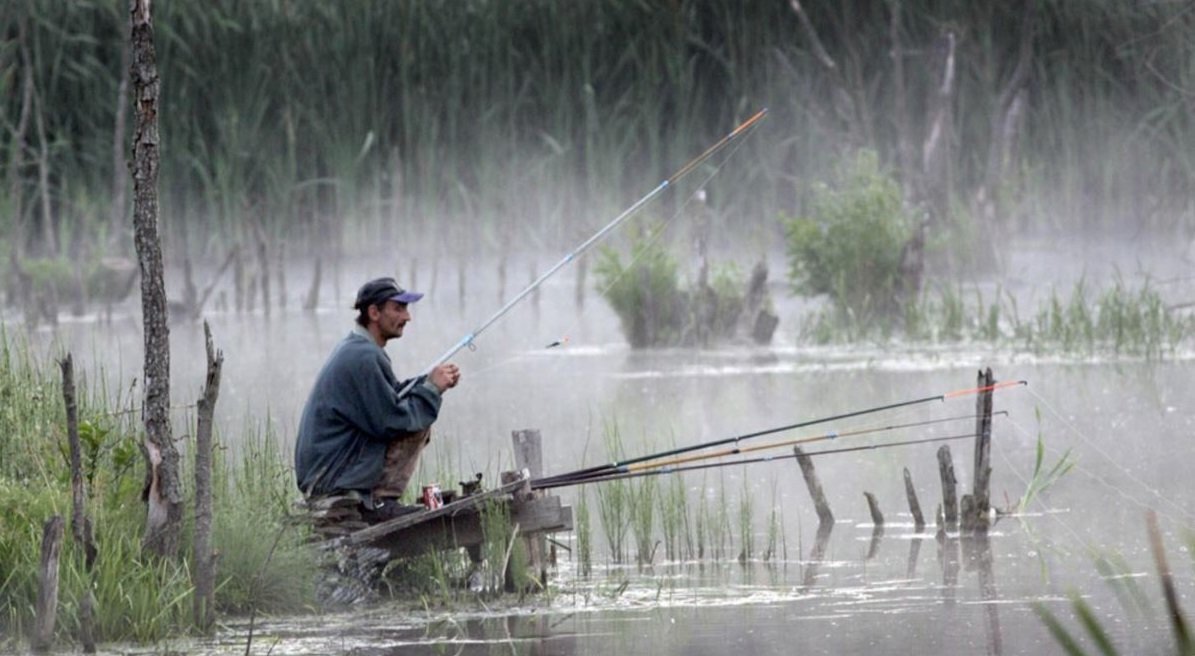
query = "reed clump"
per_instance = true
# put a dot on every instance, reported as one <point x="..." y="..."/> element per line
<point x="1119" y="320"/>
<point x="332" y="124"/>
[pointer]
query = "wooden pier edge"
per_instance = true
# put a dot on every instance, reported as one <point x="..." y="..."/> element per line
<point x="459" y="523"/>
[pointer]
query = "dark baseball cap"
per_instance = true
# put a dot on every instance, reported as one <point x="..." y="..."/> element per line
<point x="381" y="290"/>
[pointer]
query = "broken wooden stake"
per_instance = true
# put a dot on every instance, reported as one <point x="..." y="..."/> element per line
<point x="204" y="573"/>
<point x="80" y="524"/>
<point x="914" y="505"/>
<point x="825" y="517"/>
<point x="873" y="506"/>
<point x="981" y="492"/>
<point x="949" y="488"/>
<point x="47" y="592"/>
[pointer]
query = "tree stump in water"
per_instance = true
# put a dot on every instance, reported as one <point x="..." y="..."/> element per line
<point x="949" y="488"/>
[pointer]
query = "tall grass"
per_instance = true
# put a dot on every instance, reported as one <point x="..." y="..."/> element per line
<point x="584" y="533"/>
<point x="614" y="500"/>
<point x="338" y="123"/>
<point x="643" y="519"/>
<point x="746" y="524"/>
<point x="262" y="562"/>
<point x="674" y="519"/>
<point x="1118" y="320"/>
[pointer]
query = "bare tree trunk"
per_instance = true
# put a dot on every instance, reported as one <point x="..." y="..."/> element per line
<point x="17" y="149"/>
<point x="312" y="300"/>
<point x="164" y="493"/>
<point x="901" y="97"/>
<point x="120" y="167"/>
<point x="263" y="263"/>
<point x="1004" y="131"/>
<point x="19" y="286"/>
<point x="80" y="524"/>
<point x="844" y="102"/>
<point x="935" y="157"/>
<point x="205" y="575"/>
<point x="49" y="236"/>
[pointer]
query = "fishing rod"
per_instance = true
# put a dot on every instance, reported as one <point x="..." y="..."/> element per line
<point x="544" y="484"/>
<point x="468" y="339"/>
<point x="623" y="466"/>
<point x="833" y="435"/>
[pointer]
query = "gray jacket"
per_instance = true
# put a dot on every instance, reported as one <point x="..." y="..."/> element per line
<point x="353" y="414"/>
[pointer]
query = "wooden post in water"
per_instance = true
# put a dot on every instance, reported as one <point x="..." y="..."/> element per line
<point x="47" y="591"/>
<point x="824" y="516"/>
<point x="914" y="505"/>
<point x="949" y="488"/>
<point x="529" y="455"/>
<point x="981" y="493"/>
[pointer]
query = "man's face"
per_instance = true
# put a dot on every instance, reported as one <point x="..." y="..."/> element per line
<point x="391" y="317"/>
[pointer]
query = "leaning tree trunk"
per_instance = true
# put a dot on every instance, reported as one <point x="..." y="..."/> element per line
<point x="164" y="491"/>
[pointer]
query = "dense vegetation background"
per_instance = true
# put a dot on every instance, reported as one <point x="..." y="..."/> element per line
<point x="502" y="124"/>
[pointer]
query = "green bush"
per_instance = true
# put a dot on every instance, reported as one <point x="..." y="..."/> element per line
<point x="656" y="310"/>
<point x="849" y="246"/>
<point x="645" y="293"/>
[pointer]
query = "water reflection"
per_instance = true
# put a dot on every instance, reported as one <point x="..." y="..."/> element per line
<point x="948" y="560"/>
<point x="914" y="553"/>
<point x="816" y="555"/>
<point x="978" y="550"/>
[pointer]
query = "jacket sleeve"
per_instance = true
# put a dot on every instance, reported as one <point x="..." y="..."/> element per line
<point x="383" y="413"/>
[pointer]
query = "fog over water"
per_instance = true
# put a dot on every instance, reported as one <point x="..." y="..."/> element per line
<point x="1130" y="424"/>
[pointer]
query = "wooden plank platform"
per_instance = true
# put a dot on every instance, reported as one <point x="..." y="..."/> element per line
<point x="458" y="524"/>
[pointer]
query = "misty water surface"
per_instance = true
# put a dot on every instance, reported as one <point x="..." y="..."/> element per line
<point x="1130" y="425"/>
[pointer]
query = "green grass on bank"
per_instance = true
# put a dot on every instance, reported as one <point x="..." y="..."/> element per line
<point x="137" y="597"/>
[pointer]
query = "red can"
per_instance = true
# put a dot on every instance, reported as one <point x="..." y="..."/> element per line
<point x="432" y="497"/>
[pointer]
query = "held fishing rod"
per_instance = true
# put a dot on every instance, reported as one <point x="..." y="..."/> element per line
<point x="467" y="340"/>
<point x="624" y="466"/>
<point x="544" y="484"/>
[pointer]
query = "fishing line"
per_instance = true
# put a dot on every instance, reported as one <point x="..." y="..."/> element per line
<point x="653" y="235"/>
<point x="1122" y="469"/>
<point x="621" y="467"/>
<point x="544" y="484"/>
<point x="1119" y="492"/>
<point x="1046" y="510"/>
<point x="469" y="339"/>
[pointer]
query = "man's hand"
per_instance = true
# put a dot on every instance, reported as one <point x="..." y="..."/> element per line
<point x="445" y="377"/>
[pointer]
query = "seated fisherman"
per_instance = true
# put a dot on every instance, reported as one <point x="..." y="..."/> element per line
<point x="357" y="435"/>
